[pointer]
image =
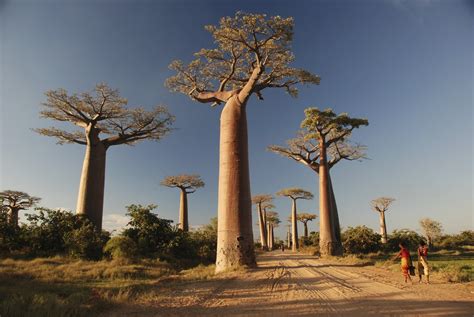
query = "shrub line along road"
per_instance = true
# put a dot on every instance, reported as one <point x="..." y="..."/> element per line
<point x="287" y="284"/>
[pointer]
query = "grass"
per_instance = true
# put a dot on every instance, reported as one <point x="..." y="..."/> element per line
<point x="61" y="286"/>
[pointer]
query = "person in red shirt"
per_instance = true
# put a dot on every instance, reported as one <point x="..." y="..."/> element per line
<point x="405" y="257"/>
<point x="423" y="262"/>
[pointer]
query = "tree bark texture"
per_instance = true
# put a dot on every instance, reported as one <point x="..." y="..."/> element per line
<point x="183" y="210"/>
<point x="261" y="224"/>
<point x="234" y="237"/>
<point x="305" y="224"/>
<point x="383" y="227"/>
<point x="294" y="226"/>
<point x="13" y="216"/>
<point x="334" y="211"/>
<point x="328" y="244"/>
<point x="90" y="200"/>
<point x="288" y="238"/>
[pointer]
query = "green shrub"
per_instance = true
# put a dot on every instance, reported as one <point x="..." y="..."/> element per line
<point x="360" y="239"/>
<point x="455" y="273"/>
<point x="121" y="248"/>
<point x="409" y="237"/>
<point x="85" y="242"/>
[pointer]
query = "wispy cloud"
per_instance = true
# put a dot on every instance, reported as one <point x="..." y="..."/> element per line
<point x="115" y="222"/>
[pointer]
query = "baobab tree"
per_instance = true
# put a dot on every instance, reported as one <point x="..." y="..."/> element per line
<point x="381" y="205"/>
<point x="323" y="142"/>
<point x="294" y="194"/>
<point x="252" y="53"/>
<point x="13" y="201"/>
<point x="288" y="235"/>
<point x="258" y="200"/>
<point x="101" y="112"/>
<point x="432" y="229"/>
<point x="272" y="222"/>
<point x="304" y="218"/>
<point x="187" y="184"/>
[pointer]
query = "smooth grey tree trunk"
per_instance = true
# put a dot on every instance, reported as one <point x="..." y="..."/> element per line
<point x="262" y="227"/>
<point x="383" y="227"/>
<point x="13" y="216"/>
<point x="288" y="238"/>
<point x="90" y="200"/>
<point x="183" y="210"/>
<point x="294" y="226"/>
<point x="235" y="237"/>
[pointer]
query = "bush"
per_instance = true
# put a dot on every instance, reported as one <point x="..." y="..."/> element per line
<point x="121" y="248"/>
<point x="10" y="235"/>
<point x="409" y="237"/>
<point x="86" y="242"/>
<point x="456" y="242"/>
<point x="455" y="273"/>
<point x="360" y="239"/>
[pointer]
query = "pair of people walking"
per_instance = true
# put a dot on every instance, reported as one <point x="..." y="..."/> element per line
<point x="407" y="265"/>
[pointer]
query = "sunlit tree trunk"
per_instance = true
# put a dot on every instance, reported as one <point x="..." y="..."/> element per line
<point x="235" y="237"/>
<point x="327" y="240"/>
<point x="288" y="238"/>
<point x="183" y="210"/>
<point x="305" y="224"/>
<point x="262" y="227"/>
<point x="383" y="227"/>
<point x="90" y="200"/>
<point x="13" y="216"/>
<point x="294" y="226"/>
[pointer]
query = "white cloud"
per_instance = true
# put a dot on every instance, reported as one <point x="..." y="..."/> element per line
<point x="115" y="222"/>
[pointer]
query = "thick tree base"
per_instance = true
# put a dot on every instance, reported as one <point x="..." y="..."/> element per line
<point x="232" y="257"/>
<point x="330" y="248"/>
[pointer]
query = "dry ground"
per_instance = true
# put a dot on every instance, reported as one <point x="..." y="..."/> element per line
<point x="286" y="284"/>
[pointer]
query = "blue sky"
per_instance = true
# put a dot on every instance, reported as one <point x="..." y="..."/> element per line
<point x="407" y="66"/>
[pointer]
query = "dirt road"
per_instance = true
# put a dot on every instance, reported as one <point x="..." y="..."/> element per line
<point x="288" y="284"/>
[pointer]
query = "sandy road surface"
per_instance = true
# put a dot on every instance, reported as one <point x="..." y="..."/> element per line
<point x="288" y="284"/>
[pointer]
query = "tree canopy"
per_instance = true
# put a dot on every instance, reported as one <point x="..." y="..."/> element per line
<point x="17" y="200"/>
<point x="295" y="193"/>
<point x="305" y="217"/>
<point x="261" y="199"/>
<point x="186" y="182"/>
<point x="104" y="111"/>
<point x="272" y="218"/>
<point x="382" y="204"/>
<point x="244" y="43"/>
<point x="432" y="229"/>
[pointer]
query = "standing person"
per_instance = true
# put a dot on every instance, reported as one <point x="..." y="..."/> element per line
<point x="404" y="255"/>
<point x="423" y="262"/>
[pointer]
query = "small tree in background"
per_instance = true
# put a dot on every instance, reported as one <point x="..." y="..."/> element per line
<point x="294" y="194"/>
<point x="381" y="205"/>
<point x="102" y="112"/>
<point x="13" y="201"/>
<point x="431" y="229"/>
<point x="304" y="218"/>
<point x="187" y="184"/>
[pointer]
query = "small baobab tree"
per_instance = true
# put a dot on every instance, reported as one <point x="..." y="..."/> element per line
<point x="323" y="142"/>
<point x="272" y="222"/>
<point x="304" y="218"/>
<point x="102" y="112"/>
<point x="252" y="53"/>
<point x="432" y="229"/>
<point x="294" y="194"/>
<point x="381" y="205"/>
<point x="187" y="184"/>
<point x="13" y="201"/>
<point x="260" y="200"/>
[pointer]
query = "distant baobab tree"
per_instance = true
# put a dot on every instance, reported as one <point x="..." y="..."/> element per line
<point x="187" y="184"/>
<point x="102" y="112"/>
<point x="294" y="194"/>
<point x="304" y="218"/>
<point x="259" y="200"/>
<point x="381" y="205"/>
<point x="323" y="142"/>
<point x="252" y="53"/>
<point x="272" y="222"/>
<point x="288" y="235"/>
<point x="13" y="201"/>
<point x="432" y="229"/>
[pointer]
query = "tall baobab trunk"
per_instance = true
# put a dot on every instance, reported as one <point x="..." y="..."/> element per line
<point x="335" y="215"/>
<point x="305" y="224"/>
<point x="328" y="244"/>
<point x="235" y="236"/>
<point x="90" y="200"/>
<point x="288" y="238"/>
<point x="383" y="227"/>
<point x="13" y="216"/>
<point x="294" y="226"/>
<point x="270" y="237"/>
<point x="183" y="210"/>
<point x="262" y="226"/>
